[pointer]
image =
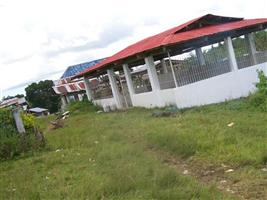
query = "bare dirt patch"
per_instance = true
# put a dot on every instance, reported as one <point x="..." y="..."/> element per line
<point x="215" y="175"/>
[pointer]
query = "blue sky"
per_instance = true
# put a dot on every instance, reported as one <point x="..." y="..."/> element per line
<point x="39" y="39"/>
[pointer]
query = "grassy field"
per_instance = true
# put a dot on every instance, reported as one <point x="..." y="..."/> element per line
<point x="133" y="155"/>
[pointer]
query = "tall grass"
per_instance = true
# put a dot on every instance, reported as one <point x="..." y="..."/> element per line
<point x="106" y="156"/>
<point x="99" y="156"/>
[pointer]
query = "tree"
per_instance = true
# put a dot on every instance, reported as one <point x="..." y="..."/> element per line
<point x="42" y="95"/>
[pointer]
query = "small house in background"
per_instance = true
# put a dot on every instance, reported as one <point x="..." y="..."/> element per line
<point x="39" y="111"/>
<point x="21" y="102"/>
<point x="68" y="89"/>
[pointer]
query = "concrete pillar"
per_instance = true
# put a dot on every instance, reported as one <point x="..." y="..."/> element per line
<point x="164" y="66"/>
<point x="173" y="73"/>
<point x="64" y="101"/>
<point x="231" y="54"/>
<point x="251" y="47"/>
<point x="76" y="97"/>
<point x="114" y="88"/>
<point x="200" y="56"/>
<point x="129" y="81"/>
<point x="154" y="81"/>
<point x="67" y="98"/>
<point x="88" y="89"/>
<point x="152" y="73"/>
<point x="18" y="121"/>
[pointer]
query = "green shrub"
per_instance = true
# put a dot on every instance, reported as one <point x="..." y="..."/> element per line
<point x="11" y="147"/>
<point x="7" y="124"/>
<point x="259" y="99"/>
<point x="28" y="120"/>
<point x="262" y="84"/>
<point x="11" y="142"/>
<point x="82" y="106"/>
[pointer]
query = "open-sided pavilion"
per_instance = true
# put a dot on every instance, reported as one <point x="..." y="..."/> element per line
<point x="206" y="60"/>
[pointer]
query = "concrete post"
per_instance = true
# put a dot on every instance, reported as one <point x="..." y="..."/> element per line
<point x="88" y="89"/>
<point x="251" y="47"/>
<point x="129" y="81"/>
<point x="164" y="66"/>
<point x="76" y="97"/>
<point x="64" y="101"/>
<point x="173" y="73"/>
<point x="200" y="56"/>
<point x="152" y="73"/>
<point x="67" y="98"/>
<point x="18" y="121"/>
<point x="231" y="54"/>
<point x="114" y="88"/>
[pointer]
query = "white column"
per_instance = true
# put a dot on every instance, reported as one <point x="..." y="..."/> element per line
<point x="114" y="88"/>
<point x="67" y="99"/>
<point x="18" y="121"/>
<point x="231" y="54"/>
<point x="88" y="89"/>
<point x="152" y="73"/>
<point x="164" y="66"/>
<point x="251" y="47"/>
<point x="76" y="97"/>
<point x="200" y="56"/>
<point x="173" y="73"/>
<point x="64" y="101"/>
<point x="129" y="81"/>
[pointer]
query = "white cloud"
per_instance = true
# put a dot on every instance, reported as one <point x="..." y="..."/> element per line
<point x="40" y="37"/>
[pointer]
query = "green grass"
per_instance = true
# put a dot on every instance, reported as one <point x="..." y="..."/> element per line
<point x="203" y="133"/>
<point x="108" y="155"/>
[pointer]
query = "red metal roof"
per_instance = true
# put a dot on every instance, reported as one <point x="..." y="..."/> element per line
<point x="211" y="24"/>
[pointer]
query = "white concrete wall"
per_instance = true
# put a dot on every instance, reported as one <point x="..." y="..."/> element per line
<point x="105" y="102"/>
<point x="147" y="99"/>
<point x="216" y="89"/>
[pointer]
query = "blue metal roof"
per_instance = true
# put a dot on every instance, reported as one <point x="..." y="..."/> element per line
<point x="76" y="69"/>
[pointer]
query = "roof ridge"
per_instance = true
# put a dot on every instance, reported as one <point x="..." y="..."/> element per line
<point x="211" y="26"/>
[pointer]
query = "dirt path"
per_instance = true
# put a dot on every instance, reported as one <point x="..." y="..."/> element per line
<point x="214" y="175"/>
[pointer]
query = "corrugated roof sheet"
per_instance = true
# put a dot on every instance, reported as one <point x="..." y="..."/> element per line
<point x="196" y="28"/>
<point x="76" y="69"/>
<point x="38" y="110"/>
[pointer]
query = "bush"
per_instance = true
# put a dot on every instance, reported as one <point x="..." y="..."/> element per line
<point x="11" y="142"/>
<point x="7" y="124"/>
<point x="28" y="121"/>
<point x="259" y="99"/>
<point x="82" y="106"/>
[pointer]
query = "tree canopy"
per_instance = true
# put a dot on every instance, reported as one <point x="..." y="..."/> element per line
<point x="42" y="95"/>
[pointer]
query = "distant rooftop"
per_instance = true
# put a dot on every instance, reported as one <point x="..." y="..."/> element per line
<point x="38" y="110"/>
<point x="76" y="69"/>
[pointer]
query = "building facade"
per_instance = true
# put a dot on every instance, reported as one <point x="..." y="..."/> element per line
<point x="206" y="60"/>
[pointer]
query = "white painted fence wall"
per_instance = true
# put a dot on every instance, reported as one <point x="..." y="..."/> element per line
<point x="217" y="89"/>
<point x="110" y="102"/>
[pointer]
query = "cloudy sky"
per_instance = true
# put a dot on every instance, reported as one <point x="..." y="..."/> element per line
<point x="40" y="38"/>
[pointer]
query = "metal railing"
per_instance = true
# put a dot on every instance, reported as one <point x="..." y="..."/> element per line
<point x="141" y="82"/>
<point x="249" y="53"/>
<point x="102" y="91"/>
<point x="260" y="39"/>
<point x="191" y="67"/>
<point x="188" y="69"/>
<point x="242" y="52"/>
